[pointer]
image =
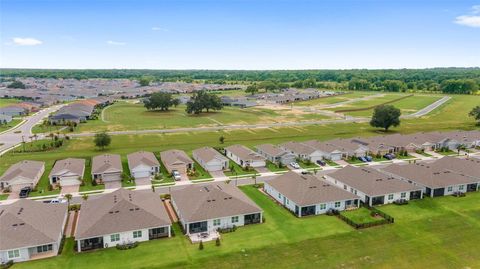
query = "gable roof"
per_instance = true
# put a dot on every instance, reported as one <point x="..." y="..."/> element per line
<point x="271" y="150"/>
<point x="142" y="157"/>
<point x="26" y="169"/>
<point x="120" y="211"/>
<point x="207" y="154"/>
<point x="106" y="163"/>
<point x="244" y="153"/>
<point x="69" y="165"/>
<point x="306" y="190"/>
<point x="27" y="223"/>
<point x="210" y="201"/>
<point x="298" y="148"/>
<point x="172" y="157"/>
<point x="370" y="181"/>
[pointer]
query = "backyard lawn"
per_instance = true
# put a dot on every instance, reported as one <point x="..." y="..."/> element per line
<point x="429" y="233"/>
<point x="360" y="215"/>
<point x="237" y="170"/>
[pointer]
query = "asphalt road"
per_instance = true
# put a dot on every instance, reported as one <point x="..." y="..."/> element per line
<point x="22" y="132"/>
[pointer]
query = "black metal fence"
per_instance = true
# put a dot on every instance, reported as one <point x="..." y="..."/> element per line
<point x="386" y="219"/>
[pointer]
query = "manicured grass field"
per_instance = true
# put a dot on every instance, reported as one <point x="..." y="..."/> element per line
<point x="237" y="170"/>
<point x="7" y="101"/>
<point x="433" y="233"/>
<point x="13" y="123"/>
<point x="274" y="168"/>
<point x="360" y="215"/>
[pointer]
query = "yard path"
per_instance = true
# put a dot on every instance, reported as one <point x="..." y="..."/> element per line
<point x="424" y="111"/>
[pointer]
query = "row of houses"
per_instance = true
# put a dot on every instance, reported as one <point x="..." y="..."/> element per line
<point x="78" y="111"/>
<point x="32" y="230"/>
<point x="19" y="109"/>
<point x="291" y="95"/>
<point x="351" y="186"/>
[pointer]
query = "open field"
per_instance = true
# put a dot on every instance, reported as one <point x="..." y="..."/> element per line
<point x="335" y="99"/>
<point x="13" y="123"/>
<point x="128" y="116"/>
<point x="436" y="233"/>
<point x="6" y="102"/>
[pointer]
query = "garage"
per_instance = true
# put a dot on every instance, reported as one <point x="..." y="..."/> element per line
<point x="69" y="181"/>
<point x="141" y="174"/>
<point x="111" y="177"/>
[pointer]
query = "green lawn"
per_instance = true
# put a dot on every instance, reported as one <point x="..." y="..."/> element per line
<point x="3" y="197"/>
<point x="274" y="168"/>
<point x="13" y="123"/>
<point x="237" y="170"/>
<point x="360" y="215"/>
<point x="201" y="173"/>
<point x="8" y="101"/>
<point x="435" y="233"/>
<point x="306" y="165"/>
<point x="87" y="178"/>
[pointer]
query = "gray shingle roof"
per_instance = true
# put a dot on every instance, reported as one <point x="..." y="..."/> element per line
<point x="25" y="169"/>
<point x="210" y="201"/>
<point x="106" y="163"/>
<point x="27" y="223"/>
<point x="207" y="154"/>
<point x="306" y="190"/>
<point x="174" y="156"/>
<point x="120" y="211"/>
<point x="69" y="165"/>
<point x="244" y="153"/>
<point x="142" y="157"/>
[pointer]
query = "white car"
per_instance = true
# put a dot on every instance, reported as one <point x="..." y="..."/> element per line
<point x="295" y="165"/>
<point x="176" y="175"/>
<point x="58" y="201"/>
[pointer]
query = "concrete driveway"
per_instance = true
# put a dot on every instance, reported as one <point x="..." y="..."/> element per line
<point x="113" y="184"/>
<point x="69" y="189"/>
<point x="143" y="181"/>
<point x="216" y="174"/>
<point x="262" y="169"/>
<point x="13" y="195"/>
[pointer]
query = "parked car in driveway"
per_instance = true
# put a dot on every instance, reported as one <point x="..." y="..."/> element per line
<point x="57" y="201"/>
<point x="322" y="163"/>
<point x="361" y="158"/>
<point x="389" y="156"/>
<point x="176" y="175"/>
<point x="368" y="158"/>
<point x="24" y="192"/>
<point x="295" y="165"/>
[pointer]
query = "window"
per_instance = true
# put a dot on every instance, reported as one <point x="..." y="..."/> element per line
<point x="288" y="202"/>
<point x="323" y="206"/>
<point x="12" y="254"/>
<point x="337" y="204"/>
<point x="44" y="248"/>
<point x="344" y="187"/>
<point x="279" y="196"/>
<point x="137" y="234"/>
<point x="235" y="219"/>
<point x="450" y="188"/>
<point x="116" y="237"/>
<point x="355" y="191"/>
<point x="216" y="222"/>
<point x="403" y="195"/>
<point x="390" y="197"/>
<point x="461" y="187"/>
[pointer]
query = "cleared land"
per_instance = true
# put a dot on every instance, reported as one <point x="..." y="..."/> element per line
<point x="435" y="233"/>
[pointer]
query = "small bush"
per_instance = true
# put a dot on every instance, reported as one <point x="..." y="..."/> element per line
<point x="127" y="246"/>
<point x="200" y="246"/>
<point x="217" y="242"/>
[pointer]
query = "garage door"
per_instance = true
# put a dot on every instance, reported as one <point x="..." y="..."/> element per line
<point x="215" y="167"/>
<point x="141" y="174"/>
<point x="111" y="177"/>
<point x="68" y="182"/>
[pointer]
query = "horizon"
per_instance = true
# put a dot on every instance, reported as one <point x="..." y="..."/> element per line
<point x="239" y="35"/>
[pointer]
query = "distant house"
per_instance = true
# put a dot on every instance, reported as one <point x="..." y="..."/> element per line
<point x="351" y="147"/>
<point x="210" y="159"/>
<point x="67" y="172"/>
<point x="306" y="195"/>
<point x="22" y="174"/>
<point x="373" y="186"/>
<point x="275" y="154"/>
<point x="208" y="207"/>
<point x="302" y="151"/>
<point x="13" y="111"/>
<point x="107" y="168"/>
<point x="121" y="217"/>
<point x="31" y="230"/>
<point x="176" y="160"/>
<point x="143" y="164"/>
<point x="244" y="156"/>
<point x="4" y="119"/>
<point x="445" y="176"/>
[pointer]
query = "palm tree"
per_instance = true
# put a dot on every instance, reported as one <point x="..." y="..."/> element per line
<point x="69" y="197"/>
<point x="85" y="197"/>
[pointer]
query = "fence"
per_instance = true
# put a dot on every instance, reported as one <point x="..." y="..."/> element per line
<point x="386" y="219"/>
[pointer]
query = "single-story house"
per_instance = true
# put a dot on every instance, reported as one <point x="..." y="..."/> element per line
<point x="67" y="172"/>
<point x="275" y="154"/>
<point x="22" y="174"/>
<point x="302" y="151"/>
<point x="306" y="195"/>
<point x="328" y="150"/>
<point x="107" y="168"/>
<point x="31" y="230"/>
<point x="176" y="160"/>
<point x="445" y="176"/>
<point x="244" y="156"/>
<point x="351" y="147"/>
<point x="373" y="186"/>
<point x="13" y="111"/>
<point x="143" y="164"/>
<point x="119" y="218"/>
<point x="208" y="207"/>
<point x="210" y="159"/>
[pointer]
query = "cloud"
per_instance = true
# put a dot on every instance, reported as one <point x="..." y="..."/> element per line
<point x="157" y="28"/>
<point x="26" y="41"/>
<point x="116" y="43"/>
<point x="470" y="20"/>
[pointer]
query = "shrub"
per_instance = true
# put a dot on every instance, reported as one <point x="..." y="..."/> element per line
<point x="217" y="242"/>
<point x="127" y="246"/>
<point x="200" y="246"/>
<point x="6" y="265"/>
